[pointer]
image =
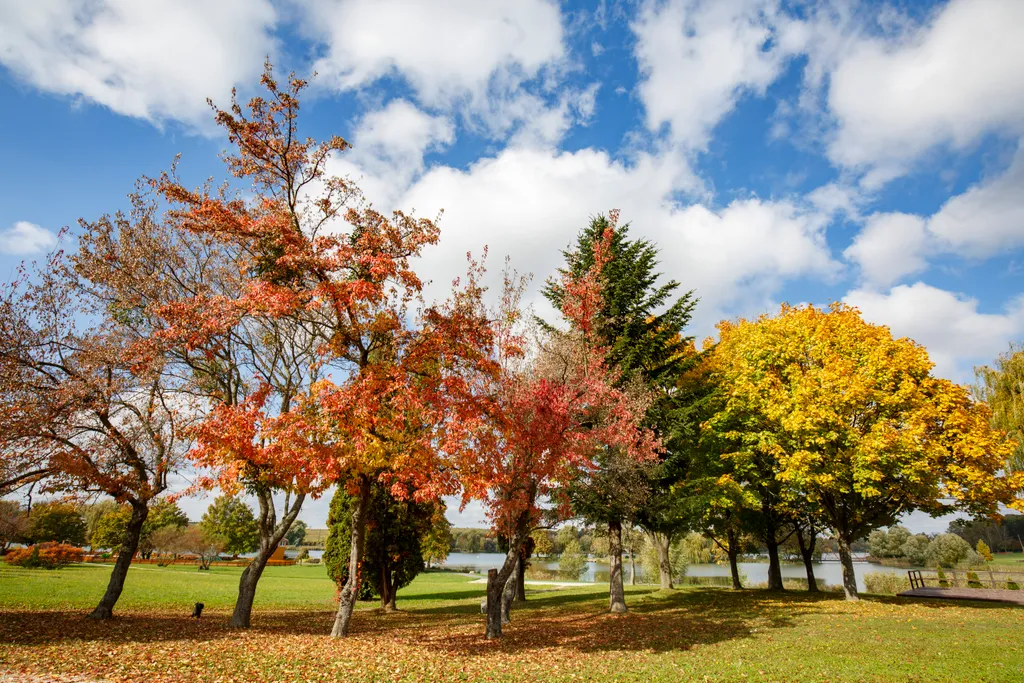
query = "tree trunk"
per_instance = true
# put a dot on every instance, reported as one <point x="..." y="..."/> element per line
<point x="497" y="578"/>
<point x="734" y="551"/>
<point x="774" y="566"/>
<point x="663" y="543"/>
<point x="807" y="553"/>
<point x="105" y="609"/>
<point x="508" y="593"/>
<point x="632" y="567"/>
<point x="846" y="557"/>
<point x="350" y="591"/>
<point x="271" y="534"/>
<point x="616" y="592"/>
<point x="521" y="580"/>
<point x="387" y="591"/>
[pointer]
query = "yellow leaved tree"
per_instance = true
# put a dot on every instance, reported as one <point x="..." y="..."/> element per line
<point x="855" y="423"/>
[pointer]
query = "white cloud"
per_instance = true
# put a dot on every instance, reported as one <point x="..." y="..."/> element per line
<point x="948" y="82"/>
<point x="889" y="247"/>
<point x="951" y="327"/>
<point x="154" y="60"/>
<point x="530" y="202"/>
<point x="446" y="50"/>
<point x="26" y="238"/>
<point x="983" y="221"/>
<point x="988" y="217"/>
<point x="698" y="57"/>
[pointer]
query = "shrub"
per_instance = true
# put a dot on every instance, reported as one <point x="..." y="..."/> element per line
<point x="1012" y="585"/>
<point x="572" y="563"/>
<point x="984" y="550"/>
<point x="44" y="555"/>
<point x="915" y="549"/>
<point x="888" y="543"/>
<point x="886" y="583"/>
<point x="943" y="583"/>
<point x="973" y="581"/>
<point x="947" y="550"/>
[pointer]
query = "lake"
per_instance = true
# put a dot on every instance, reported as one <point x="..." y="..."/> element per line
<point x="756" y="572"/>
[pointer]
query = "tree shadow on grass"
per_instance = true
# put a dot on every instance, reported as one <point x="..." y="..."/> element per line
<point x="576" y="621"/>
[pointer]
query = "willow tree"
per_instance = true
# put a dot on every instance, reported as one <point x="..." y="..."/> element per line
<point x="1002" y="388"/>
<point x="853" y="420"/>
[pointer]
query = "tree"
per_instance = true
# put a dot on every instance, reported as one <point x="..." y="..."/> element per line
<point x="316" y="254"/>
<point x="88" y="407"/>
<point x="111" y="529"/>
<point x="206" y="546"/>
<point x="546" y="420"/>
<point x="395" y="530"/>
<point x="854" y="422"/>
<point x="297" y="533"/>
<point x="58" y="522"/>
<point x="168" y="540"/>
<point x="888" y="543"/>
<point x="93" y="513"/>
<point x="230" y="519"/>
<point x="642" y="331"/>
<point x="983" y="550"/>
<point x="1002" y="388"/>
<point x="13" y="524"/>
<point x="542" y="544"/>
<point x="437" y="543"/>
<point x="572" y="563"/>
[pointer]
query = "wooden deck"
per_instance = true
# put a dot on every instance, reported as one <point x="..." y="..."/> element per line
<point x="989" y="594"/>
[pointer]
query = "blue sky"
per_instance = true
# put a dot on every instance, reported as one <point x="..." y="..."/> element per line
<point x="801" y="151"/>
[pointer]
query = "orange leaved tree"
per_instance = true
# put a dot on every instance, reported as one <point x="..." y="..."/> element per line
<point x="385" y="399"/>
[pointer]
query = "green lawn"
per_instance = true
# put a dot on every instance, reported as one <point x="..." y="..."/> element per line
<point x="1015" y="560"/>
<point x="693" y="634"/>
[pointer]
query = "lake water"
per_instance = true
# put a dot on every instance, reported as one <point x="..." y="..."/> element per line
<point x="756" y="572"/>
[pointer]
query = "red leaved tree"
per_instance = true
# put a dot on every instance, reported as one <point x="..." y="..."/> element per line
<point x="81" y="404"/>
<point x="547" y="419"/>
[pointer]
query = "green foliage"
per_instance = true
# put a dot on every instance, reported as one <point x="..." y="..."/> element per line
<point x="1000" y="388"/>
<point x="941" y="576"/>
<point x="58" y="522"/>
<point x="915" y="549"/>
<point x="437" y="542"/>
<point x="571" y="563"/>
<point x="110" y="530"/>
<point x="677" y="558"/>
<point x="947" y="550"/>
<point x="1012" y="585"/>
<point x="297" y="533"/>
<point x="973" y="581"/>
<point x="394" y="533"/>
<point x="230" y="519"/>
<point x="882" y="543"/>
<point x="542" y="543"/>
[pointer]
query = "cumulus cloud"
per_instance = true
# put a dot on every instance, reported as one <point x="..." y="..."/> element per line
<point x="981" y="222"/>
<point x="950" y="81"/>
<point x="25" y="238"/>
<point x="446" y="50"/>
<point x="956" y="334"/>
<point x="154" y="60"/>
<point x="530" y="202"/>
<point x="698" y="57"/>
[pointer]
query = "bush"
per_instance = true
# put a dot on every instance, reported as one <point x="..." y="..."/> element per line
<point x="888" y="543"/>
<point x="44" y="555"/>
<point x="886" y="583"/>
<point x="973" y="581"/>
<point x="984" y="550"/>
<point x="947" y="550"/>
<point x="1012" y="585"/>
<point x="572" y="563"/>
<point x="915" y="549"/>
<point x="943" y="583"/>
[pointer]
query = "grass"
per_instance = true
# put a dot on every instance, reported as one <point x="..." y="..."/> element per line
<point x="1015" y="560"/>
<point x="691" y="634"/>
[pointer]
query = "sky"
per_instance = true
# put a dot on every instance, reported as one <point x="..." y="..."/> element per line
<point x="775" y="151"/>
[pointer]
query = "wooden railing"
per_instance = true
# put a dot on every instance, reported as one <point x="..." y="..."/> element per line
<point x="961" y="578"/>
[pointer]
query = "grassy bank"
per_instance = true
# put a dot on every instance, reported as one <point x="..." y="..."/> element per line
<point x="698" y="634"/>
